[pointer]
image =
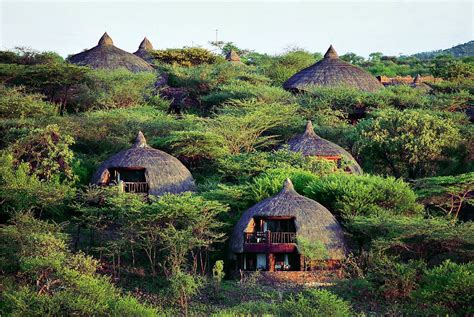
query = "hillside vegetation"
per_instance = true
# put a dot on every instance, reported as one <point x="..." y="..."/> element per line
<point x="71" y="248"/>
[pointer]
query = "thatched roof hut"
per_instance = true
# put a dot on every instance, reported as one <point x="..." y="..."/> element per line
<point x="144" y="50"/>
<point x="311" y="144"/>
<point x="332" y="72"/>
<point x="163" y="173"/>
<point x="313" y="221"/>
<point x="106" y="56"/>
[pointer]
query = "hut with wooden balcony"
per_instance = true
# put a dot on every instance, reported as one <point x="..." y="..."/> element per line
<point x="107" y="56"/>
<point x="266" y="236"/>
<point x="311" y="144"/>
<point x="332" y="72"/>
<point x="143" y="169"/>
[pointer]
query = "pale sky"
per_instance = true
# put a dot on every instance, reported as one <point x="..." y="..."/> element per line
<point x="362" y="27"/>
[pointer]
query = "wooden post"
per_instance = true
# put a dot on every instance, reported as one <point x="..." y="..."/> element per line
<point x="270" y="262"/>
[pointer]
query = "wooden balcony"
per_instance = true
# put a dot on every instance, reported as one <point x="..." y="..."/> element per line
<point x="277" y="242"/>
<point x="135" y="187"/>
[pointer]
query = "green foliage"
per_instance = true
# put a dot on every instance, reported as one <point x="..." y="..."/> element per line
<point x="55" y="80"/>
<point x="48" y="281"/>
<point x="47" y="153"/>
<point x="432" y="239"/>
<point x="312" y="251"/>
<point x="188" y="56"/>
<point x="353" y="195"/>
<point x="447" y="288"/>
<point x="271" y="181"/>
<point x="282" y="67"/>
<point x="447" y="67"/>
<point x="242" y="124"/>
<point x="106" y="89"/>
<point x="406" y="143"/>
<point x="182" y="286"/>
<point x="316" y="303"/>
<point x="16" y="103"/>
<point x="447" y="193"/>
<point x="217" y="275"/>
<point x="21" y="190"/>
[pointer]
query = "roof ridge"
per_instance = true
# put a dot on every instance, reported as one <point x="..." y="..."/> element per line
<point x="140" y="140"/>
<point x="331" y="53"/>
<point x="145" y="44"/>
<point x="309" y="130"/>
<point x="105" y="40"/>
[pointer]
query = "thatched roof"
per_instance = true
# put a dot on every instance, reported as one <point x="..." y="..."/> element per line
<point x="144" y="50"/>
<point x="311" y="144"/>
<point x="419" y="84"/>
<point x="232" y="56"/>
<point x="332" y="72"/>
<point x="312" y="220"/>
<point x="106" y="56"/>
<point x="164" y="173"/>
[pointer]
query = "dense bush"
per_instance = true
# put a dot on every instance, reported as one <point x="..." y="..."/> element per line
<point x="16" y="103"/>
<point x="106" y="89"/>
<point x="188" y="56"/>
<point x="316" y="303"/>
<point x="352" y="195"/>
<point x="406" y="143"/>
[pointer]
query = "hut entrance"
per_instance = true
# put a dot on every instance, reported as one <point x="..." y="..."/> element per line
<point x="133" y="179"/>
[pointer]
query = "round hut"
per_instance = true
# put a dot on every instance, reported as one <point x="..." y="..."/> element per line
<point x="143" y="169"/>
<point x="106" y="56"/>
<point x="332" y="72"/>
<point x="266" y="236"/>
<point x="311" y="144"/>
<point x="144" y="50"/>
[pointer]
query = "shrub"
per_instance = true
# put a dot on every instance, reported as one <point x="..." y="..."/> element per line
<point x="352" y="195"/>
<point x="447" y="289"/>
<point x="15" y="103"/>
<point x="20" y="190"/>
<point x="316" y="303"/>
<point x="47" y="153"/>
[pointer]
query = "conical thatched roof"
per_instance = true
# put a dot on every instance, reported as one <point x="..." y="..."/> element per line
<point x="419" y="84"/>
<point x="106" y="56"/>
<point x="311" y="144"/>
<point x="332" y="72"/>
<point x="312" y="220"/>
<point x="144" y="50"/>
<point x="163" y="172"/>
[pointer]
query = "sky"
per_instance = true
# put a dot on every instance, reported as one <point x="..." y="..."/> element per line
<point x="392" y="27"/>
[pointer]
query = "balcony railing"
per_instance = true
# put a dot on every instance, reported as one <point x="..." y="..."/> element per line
<point x="135" y="187"/>
<point x="270" y="237"/>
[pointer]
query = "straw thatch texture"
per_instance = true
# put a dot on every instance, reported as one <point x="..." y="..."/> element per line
<point x="312" y="220"/>
<point x="332" y="72"/>
<point x="311" y="144"/>
<point x="163" y="172"/>
<point x="106" y="56"/>
<point x="144" y="50"/>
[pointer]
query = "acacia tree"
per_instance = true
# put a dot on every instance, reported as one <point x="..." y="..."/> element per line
<point x="242" y="124"/>
<point x="448" y="193"/>
<point x="406" y="143"/>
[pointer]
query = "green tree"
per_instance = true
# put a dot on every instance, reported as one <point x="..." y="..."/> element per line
<point x="406" y="143"/>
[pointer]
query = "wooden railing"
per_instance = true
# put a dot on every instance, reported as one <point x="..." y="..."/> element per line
<point x="270" y="237"/>
<point x="135" y="187"/>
